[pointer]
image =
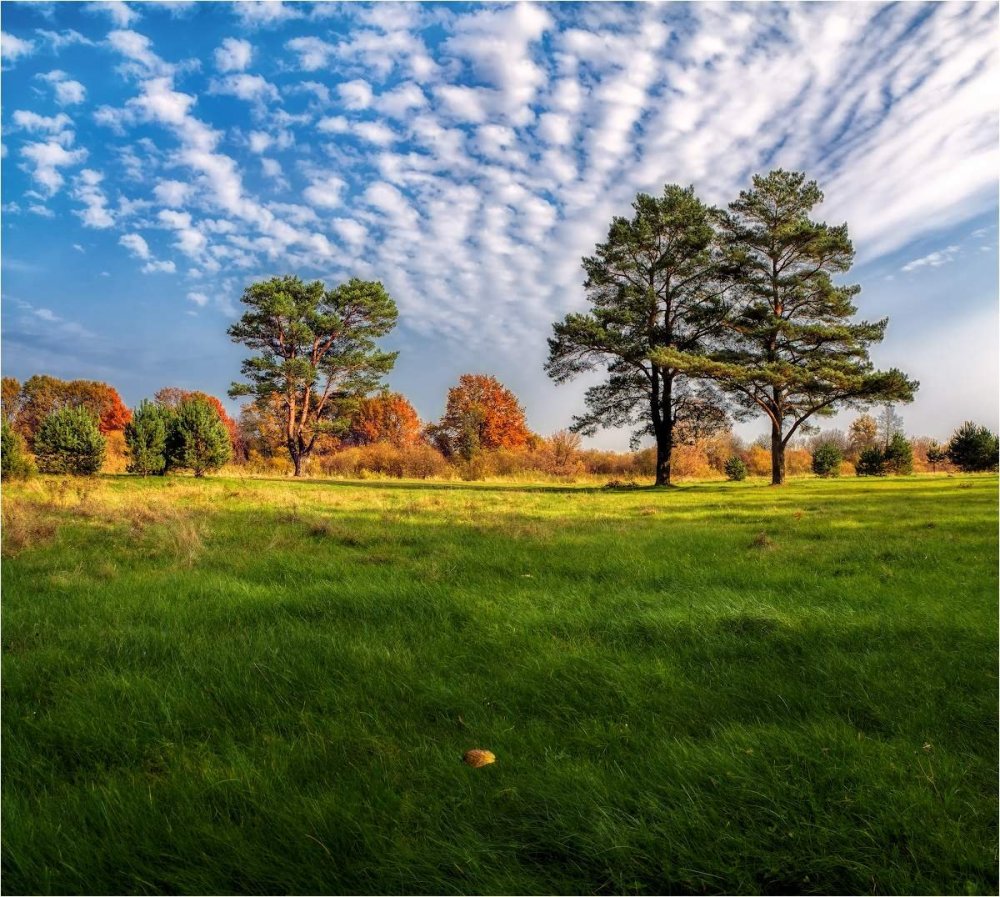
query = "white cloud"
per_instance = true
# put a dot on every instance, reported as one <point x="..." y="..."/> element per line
<point x="87" y="190"/>
<point x="67" y="91"/>
<point x="164" y="267"/>
<point x="264" y="13"/>
<point x="933" y="259"/>
<point x="57" y="40"/>
<point x="313" y="53"/>
<point x="136" y="245"/>
<point x="233" y="55"/>
<point x="356" y="94"/>
<point x="325" y="192"/>
<point x="32" y="121"/>
<point x="199" y="299"/>
<point x="172" y="193"/>
<point x="121" y="14"/>
<point x="13" y="48"/>
<point x="252" y="88"/>
<point x="46" y="158"/>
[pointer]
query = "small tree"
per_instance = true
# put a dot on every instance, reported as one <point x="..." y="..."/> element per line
<point x="898" y="455"/>
<point x="14" y="459"/>
<point x="146" y="439"/>
<point x="871" y="463"/>
<point x="197" y="440"/>
<point x="736" y="470"/>
<point x="936" y="454"/>
<point x="889" y="425"/>
<point x="826" y="460"/>
<point x="862" y="434"/>
<point x="973" y="448"/>
<point x="69" y="441"/>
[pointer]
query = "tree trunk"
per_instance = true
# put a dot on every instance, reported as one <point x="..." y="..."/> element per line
<point x="777" y="456"/>
<point x="663" y="428"/>
<point x="662" y="459"/>
<point x="297" y="461"/>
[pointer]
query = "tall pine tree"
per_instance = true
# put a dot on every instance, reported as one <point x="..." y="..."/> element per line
<point x="793" y="350"/>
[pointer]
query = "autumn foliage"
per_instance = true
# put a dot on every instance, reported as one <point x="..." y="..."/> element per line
<point x="388" y="418"/>
<point x="27" y="406"/>
<point x="481" y="415"/>
<point x="171" y="397"/>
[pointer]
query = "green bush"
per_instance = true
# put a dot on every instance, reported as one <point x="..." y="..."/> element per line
<point x="15" y="461"/>
<point x="69" y="441"/>
<point x="898" y="455"/>
<point x="736" y="470"/>
<point x="197" y="439"/>
<point x="871" y="463"/>
<point x="826" y="460"/>
<point x="973" y="448"/>
<point x="146" y="439"/>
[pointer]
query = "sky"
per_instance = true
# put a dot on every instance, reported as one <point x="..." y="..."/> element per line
<point x="159" y="157"/>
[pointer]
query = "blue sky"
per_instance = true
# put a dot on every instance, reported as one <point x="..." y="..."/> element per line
<point x="158" y="157"/>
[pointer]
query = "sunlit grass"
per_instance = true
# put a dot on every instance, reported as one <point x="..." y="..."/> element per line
<point x="267" y="686"/>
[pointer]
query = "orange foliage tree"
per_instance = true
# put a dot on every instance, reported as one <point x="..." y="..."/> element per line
<point x="41" y="395"/>
<point x="388" y="418"/>
<point x="481" y="414"/>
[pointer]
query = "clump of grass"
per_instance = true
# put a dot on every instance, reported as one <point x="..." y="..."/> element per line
<point x="762" y="542"/>
<point x="25" y="525"/>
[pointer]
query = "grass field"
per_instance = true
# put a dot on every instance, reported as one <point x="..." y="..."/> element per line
<point x="264" y="686"/>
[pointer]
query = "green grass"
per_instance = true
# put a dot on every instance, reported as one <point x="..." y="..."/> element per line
<point x="263" y="686"/>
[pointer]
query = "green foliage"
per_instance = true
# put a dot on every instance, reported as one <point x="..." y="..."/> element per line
<point x="197" y="439"/>
<point x="736" y="470"/>
<point x="826" y="460"/>
<point x="315" y="351"/>
<point x="15" y="462"/>
<point x="936" y="454"/>
<point x="652" y="286"/>
<point x="672" y="710"/>
<point x="898" y="455"/>
<point x="146" y="438"/>
<point x="973" y="448"/>
<point x="870" y="463"/>
<point x="69" y="441"/>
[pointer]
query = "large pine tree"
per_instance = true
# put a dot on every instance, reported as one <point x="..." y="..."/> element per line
<point x="792" y="349"/>
<point x="652" y="285"/>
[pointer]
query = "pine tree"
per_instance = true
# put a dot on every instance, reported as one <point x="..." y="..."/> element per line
<point x="146" y="438"/>
<point x="197" y="440"/>
<point x="69" y="441"/>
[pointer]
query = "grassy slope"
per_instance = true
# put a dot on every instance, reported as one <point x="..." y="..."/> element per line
<point x="256" y="686"/>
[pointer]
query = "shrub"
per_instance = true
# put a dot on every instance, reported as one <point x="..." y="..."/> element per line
<point x="935" y="454"/>
<point x="826" y="460"/>
<point x="871" y="463"/>
<point x="898" y="455"/>
<point x="15" y="461"/>
<point x="69" y="441"/>
<point x="973" y="448"/>
<point x="736" y="470"/>
<point x="198" y="439"/>
<point x="146" y="438"/>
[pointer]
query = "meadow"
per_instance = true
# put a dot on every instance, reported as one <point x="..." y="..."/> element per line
<point x="251" y="686"/>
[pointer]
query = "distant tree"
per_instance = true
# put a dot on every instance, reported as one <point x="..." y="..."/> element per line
<point x="315" y="349"/>
<point x="889" y="424"/>
<point x="898" y="455"/>
<point x="826" y="459"/>
<point x="69" y="441"/>
<point x="653" y="286"/>
<point x="481" y="414"/>
<point x="41" y="395"/>
<point x="11" y="399"/>
<point x="388" y="417"/>
<point x="870" y="463"/>
<point x="146" y="438"/>
<point x="973" y="448"/>
<point x="197" y="440"/>
<point x="794" y="351"/>
<point x="936" y="454"/>
<point x="14" y="459"/>
<point x="863" y="433"/>
<point x="736" y="470"/>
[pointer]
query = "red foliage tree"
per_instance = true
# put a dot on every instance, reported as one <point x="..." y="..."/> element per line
<point x="483" y="414"/>
<point x="388" y="418"/>
<point x="41" y="395"/>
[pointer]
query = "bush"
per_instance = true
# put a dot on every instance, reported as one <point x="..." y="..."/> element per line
<point x="15" y="462"/>
<point x="973" y="448"/>
<point x="736" y="470"/>
<point x="198" y="439"/>
<point x="898" y="455"/>
<point x="146" y="438"/>
<point x="871" y="463"/>
<point x="826" y="460"/>
<point x="69" y="441"/>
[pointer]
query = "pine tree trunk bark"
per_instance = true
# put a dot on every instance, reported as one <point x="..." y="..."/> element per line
<point x="777" y="457"/>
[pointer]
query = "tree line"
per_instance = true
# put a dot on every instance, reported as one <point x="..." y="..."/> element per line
<point x="698" y="317"/>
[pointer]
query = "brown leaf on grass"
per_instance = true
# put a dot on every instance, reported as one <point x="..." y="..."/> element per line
<point x="477" y="757"/>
